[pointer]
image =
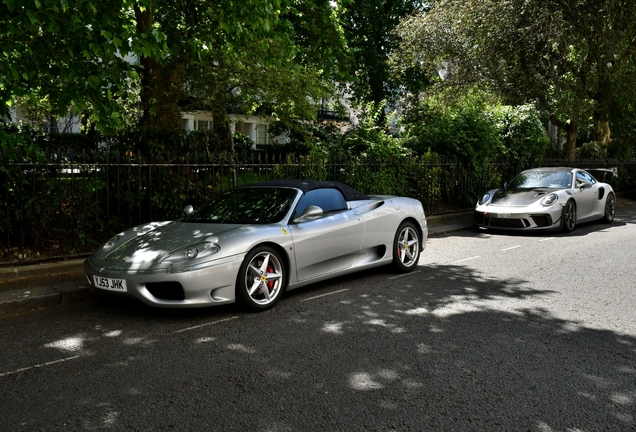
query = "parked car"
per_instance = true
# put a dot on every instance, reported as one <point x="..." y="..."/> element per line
<point x="256" y="241"/>
<point x="546" y="198"/>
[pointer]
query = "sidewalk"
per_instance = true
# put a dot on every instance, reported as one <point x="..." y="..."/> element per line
<point x="41" y="285"/>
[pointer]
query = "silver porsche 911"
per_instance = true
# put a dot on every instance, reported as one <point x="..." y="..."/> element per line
<point x="256" y="241"/>
<point x="546" y="198"/>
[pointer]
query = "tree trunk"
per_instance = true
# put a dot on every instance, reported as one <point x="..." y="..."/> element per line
<point x="572" y="132"/>
<point x="223" y="130"/>
<point x="570" y="151"/>
<point x="602" y="133"/>
<point x="160" y="89"/>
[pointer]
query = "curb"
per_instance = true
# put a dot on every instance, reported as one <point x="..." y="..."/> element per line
<point x="35" y="298"/>
<point x="47" y="269"/>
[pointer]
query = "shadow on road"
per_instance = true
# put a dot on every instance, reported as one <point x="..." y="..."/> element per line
<point x="443" y="348"/>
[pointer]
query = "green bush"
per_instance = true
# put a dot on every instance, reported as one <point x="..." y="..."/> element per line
<point x="522" y="135"/>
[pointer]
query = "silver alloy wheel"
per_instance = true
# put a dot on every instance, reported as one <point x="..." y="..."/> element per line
<point x="610" y="208"/>
<point x="264" y="278"/>
<point x="408" y="246"/>
<point x="569" y="216"/>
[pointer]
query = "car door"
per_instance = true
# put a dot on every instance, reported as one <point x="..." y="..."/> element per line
<point x="586" y="196"/>
<point x="329" y="242"/>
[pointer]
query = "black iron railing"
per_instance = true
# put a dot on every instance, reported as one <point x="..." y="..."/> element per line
<point x="60" y="205"/>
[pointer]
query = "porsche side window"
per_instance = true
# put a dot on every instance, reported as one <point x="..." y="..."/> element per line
<point x="583" y="177"/>
<point x="587" y="176"/>
<point x="329" y="200"/>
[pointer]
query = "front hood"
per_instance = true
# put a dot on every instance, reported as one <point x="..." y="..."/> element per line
<point x="156" y="244"/>
<point x="519" y="198"/>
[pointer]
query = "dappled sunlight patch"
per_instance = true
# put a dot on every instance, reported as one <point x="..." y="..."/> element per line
<point x="624" y="417"/>
<point x="419" y="311"/>
<point x="412" y="384"/>
<point x="424" y="349"/>
<point x="140" y="257"/>
<point x="363" y="381"/>
<point x="588" y="396"/>
<point x="569" y="327"/>
<point x="388" y="374"/>
<point x="69" y="344"/>
<point x="335" y="328"/>
<point x="455" y="308"/>
<point x="379" y="322"/>
<point x="242" y="348"/>
<point x="278" y="374"/>
<point x="627" y="370"/>
<point x="108" y="419"/>
<point x="389" y="405"/>
<point x="370" y="313"/>
<point x="623" y="398"/>
<point x="137" y="341"/>
<point x="113" y="333"/>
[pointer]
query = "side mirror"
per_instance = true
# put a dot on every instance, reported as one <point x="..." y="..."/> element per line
<point x="309" y="212"/>
<point x="188" y="210"/>
<point x="585" y="185"/>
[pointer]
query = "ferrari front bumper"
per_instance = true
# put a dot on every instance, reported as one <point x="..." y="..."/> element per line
<point x="212" y="285"/>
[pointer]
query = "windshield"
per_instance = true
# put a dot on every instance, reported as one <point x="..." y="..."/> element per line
<point x="246" y="206"/>
<point x="541" y="179"/>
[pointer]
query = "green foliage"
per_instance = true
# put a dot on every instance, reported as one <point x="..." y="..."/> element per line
<point x="573" y="62"/>
<point x="522" y="135"/>
<point x="464" y="130"/>
<point x="368" y="27"/>
<point x="242" y="143"/>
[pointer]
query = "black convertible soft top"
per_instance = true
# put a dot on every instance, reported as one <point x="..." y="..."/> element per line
<point x="349" y="193"/>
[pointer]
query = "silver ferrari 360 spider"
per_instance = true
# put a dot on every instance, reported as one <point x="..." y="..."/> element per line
<point x="546" y="198"/>
<point x="256" y="241"/>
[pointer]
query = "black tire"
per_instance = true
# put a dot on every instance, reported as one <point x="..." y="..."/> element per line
<point x="261" y="279"/>
<point x="610" y="208"/>
<point x="406" y="247"/>
<point x="569" y="216"/>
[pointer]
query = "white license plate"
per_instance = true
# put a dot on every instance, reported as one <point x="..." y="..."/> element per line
<point x="503" y="215"/>
<point x="110" y="284"/>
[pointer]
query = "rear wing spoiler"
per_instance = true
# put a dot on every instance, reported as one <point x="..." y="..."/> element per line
<point x="605" y="171"/>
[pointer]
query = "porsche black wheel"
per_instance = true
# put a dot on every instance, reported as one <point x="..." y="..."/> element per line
<point x="569" y="216"/>
<point x="610" y="208"/>
<point x="406" y="248"/>
<point x="261" y="279"/>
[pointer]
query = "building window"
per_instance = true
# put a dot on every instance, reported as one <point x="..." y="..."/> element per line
<point x="262" y="137"/>
<point x="203" y="125"/>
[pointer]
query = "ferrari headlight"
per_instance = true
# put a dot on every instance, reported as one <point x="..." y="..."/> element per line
<point x="199" y="251"/>
<point x="112" y="242"/>
<point x="484" y="199"/>
<point x="549" y="200"/>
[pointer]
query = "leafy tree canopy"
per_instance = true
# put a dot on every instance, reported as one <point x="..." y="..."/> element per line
<point x="566" y="56"/>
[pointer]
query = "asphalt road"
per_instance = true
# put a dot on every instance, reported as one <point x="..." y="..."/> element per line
<point x="491" y="332"/>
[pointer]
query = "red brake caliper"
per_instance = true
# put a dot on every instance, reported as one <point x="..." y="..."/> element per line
<point x="270" y="284"/>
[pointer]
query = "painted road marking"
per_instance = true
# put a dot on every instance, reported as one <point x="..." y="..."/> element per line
<point x="466" y="259"/>
<point x="402" y="275"/>
<point x="323" y="295"/>
<point x="38" y="366"/>
<point x="204" y="325"/>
